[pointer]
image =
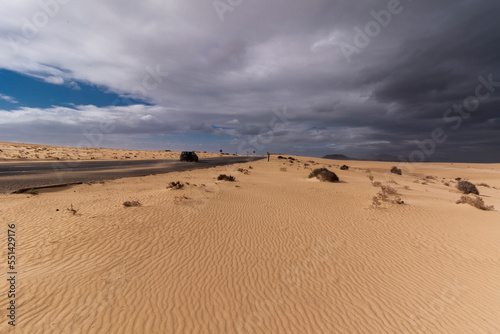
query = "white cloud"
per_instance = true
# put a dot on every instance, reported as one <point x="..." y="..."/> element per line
<point x="74" y="85"/>
<point x="234" y="121"/>
<point x="54" y="80"/>
<point x="7" y="98"/>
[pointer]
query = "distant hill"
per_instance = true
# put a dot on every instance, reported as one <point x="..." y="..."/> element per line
<point x="337" y="157"/>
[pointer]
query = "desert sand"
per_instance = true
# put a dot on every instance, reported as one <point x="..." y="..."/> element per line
<point x="272" y="252"/>
<point x="34" y="152"/>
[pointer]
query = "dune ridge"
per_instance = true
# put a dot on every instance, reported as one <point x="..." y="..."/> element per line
<point x="35" y="152"/>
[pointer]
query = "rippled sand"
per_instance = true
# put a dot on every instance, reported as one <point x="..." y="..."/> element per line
<point x="273" y="252"/>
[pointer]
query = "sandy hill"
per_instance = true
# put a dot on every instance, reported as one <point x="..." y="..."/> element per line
<point x="18" y="151"/>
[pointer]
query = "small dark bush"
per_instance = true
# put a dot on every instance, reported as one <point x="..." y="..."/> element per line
<point x="324" y="175"/>
<point x="129" y="204"/>
<point x="467" y="188"/>
<point x="458" y="179"/>
<point x="244" y="171"/>
<point x="281" y="157"/>
<point x="396" y="170"/>
<point x="291" y="158"/>
<point x="344" y="167"/>
<point x="224" y="177"/>
<point x="175" y="185"/>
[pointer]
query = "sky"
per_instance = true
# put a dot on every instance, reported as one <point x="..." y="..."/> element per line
<point x="406" y="80"/>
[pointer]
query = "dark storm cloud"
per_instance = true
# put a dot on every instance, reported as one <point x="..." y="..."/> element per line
<point x="228" y="77"/>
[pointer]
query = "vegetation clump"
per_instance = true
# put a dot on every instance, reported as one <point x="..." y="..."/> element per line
<point x="33" y="192"/>
<point x="283" y="169"/>
<point x="281" y="157"/>
<point x="396" y="170"/>
<point x="467" y="188"/>
<point x="244" y="171"/>
<point x="324" y="175"/>
<point x="224" y="177"/>
<point x="129" y="204"/>
<point x="476" y="202"/>
<point x="175" y="185"/>
<point x="387" y="194"/>
<point x="344" y="167"/>
<point x="72" y="210"/>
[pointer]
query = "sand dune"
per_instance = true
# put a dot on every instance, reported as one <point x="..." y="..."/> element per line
<point x="273" y="252"/>
<point x="17" y="151"/>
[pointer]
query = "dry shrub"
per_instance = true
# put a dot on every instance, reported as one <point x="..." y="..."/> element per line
<point x="283" y="169"/>
<point x="383" y="196"/>
<point x="377" y="184"/>
<point x="396" y="170"/>
<point x="224" y="177"/>
<point x="175" y="185"/>
<point x="344" y="167"/>
<point x="483" y="185"/>
<point x="389" y="190"/>
<point x="72" y="210"/>
<point x="475" y="201"/>
<point x="129" y="204"/>
<point x="386" y="194"/>
<point x="467" y="188"/>
<point x="244" y="171"/>
<point x="324" y="175"/>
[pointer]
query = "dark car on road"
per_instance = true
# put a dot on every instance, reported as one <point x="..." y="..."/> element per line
<point x="189" y="156"/>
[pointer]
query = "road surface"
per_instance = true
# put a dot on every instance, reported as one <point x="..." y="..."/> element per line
<point x="21" y="175"/>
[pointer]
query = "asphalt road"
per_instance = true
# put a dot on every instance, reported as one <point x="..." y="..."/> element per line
<point x="21" y="175"/>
